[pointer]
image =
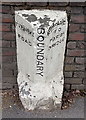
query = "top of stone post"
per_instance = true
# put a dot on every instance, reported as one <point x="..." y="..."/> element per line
<point x="41" y="16"/>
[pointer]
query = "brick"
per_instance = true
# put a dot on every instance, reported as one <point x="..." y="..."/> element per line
<point x="5" y="28"/>
<point x="74" y="67"/>
<point x="80" y="60"/>
<point x="1" y="28"/>
<point x="13" y="3"/>
<point x="9" y="66"/>
<point x="7" y="73"/>
<point x="13" y="44"/>
<point x="76" y="10"/>
<point x="69" y="60"/>
<point x="81" y="45"/>
<point x="70" y="67"/>
<point x="71" y="45"/>
<point x="0" y="43"/>
<point x="5" y="9"/>
<point x="8" y="36"/>
<point x="68" y="74"/>
<point x="85" y="10"/>
<point x="74" y="28"/>
<point x="79" y="74"/>
<point x="6" y="86"/>
<point x="73" y="80"/>
<point x="11" y="80"/>
<point x="78" y="87"/>
<point x="0" y="59"/>
<point x="7" y="18"/>
<point x="78" y="18"/>
<point x="7" y="59"/>
<point x="0" y="35"/>
<point x="84" y="81"/>
<point x="14" y="58"/>
<point x="15" y="72"/>
<point x="76" y="4"/>
<point x="0" y="8"/>
<point x="76" y="36"/>
<point x="19" y="7"/>
<point x="0" y="69"/>
<point x="0" y="52"/>
<point x="76" y="53"/>
<point x="80" y="67"/>
<point x="13" y="27"/>
<point x="83" y="28"/>
<point x="57" y="8"/>
<point x="16" y="8"/>
<point x="5" y="44"/>
<point x="40" y="3"/>
<point x="58" y="3"/>
<point x="8" y="52"/>
<point x="0" y="87"/>
<point x="67" y="86"/>
<point x="0" y="18"/>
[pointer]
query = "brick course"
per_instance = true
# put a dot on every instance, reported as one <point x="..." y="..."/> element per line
<point x="75" y="57"/>
<point x="76" y="36"/>
<point x="76" y="53"/>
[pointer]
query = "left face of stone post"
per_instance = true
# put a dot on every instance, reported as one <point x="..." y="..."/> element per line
<point x="41" y="39"/>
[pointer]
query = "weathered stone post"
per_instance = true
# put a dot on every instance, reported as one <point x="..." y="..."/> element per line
<point x="41" y="40"/>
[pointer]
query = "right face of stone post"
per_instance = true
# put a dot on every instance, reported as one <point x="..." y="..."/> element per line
<point x="41" y="39"/>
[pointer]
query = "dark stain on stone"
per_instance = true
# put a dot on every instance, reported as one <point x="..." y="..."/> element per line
<point x="25" y="83"/>
<point x="29" y="89"/>
<point x="22" y="38"/>
<point x="61" y="78"/>
<point x="28" y="75"/>
<point x="54" y="20"/>
<point x="31" y="18"/>
<point x="30" y="32"/>
<point x="44" y="21"/>
<point x="26" y="41"/>
<point x="25" y="15"/>
<point x="55" y="31"/>
<point x="42" y="26"/>
<point x="30" y="43"/>
<point x="19" y="35"/>
<point x="50" y="47"/>
<point x="21" y="89"/>
<point x="56" y="96"/>
<point x="25" y="92"/>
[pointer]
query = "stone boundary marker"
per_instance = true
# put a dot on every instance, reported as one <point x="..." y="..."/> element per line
<point x="41" y="39"/>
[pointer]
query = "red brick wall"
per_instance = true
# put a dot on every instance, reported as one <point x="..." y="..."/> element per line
<point x="75" y="58"/>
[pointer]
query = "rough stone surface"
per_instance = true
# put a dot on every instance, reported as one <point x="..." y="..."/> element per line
<point x="41" y="39"/>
